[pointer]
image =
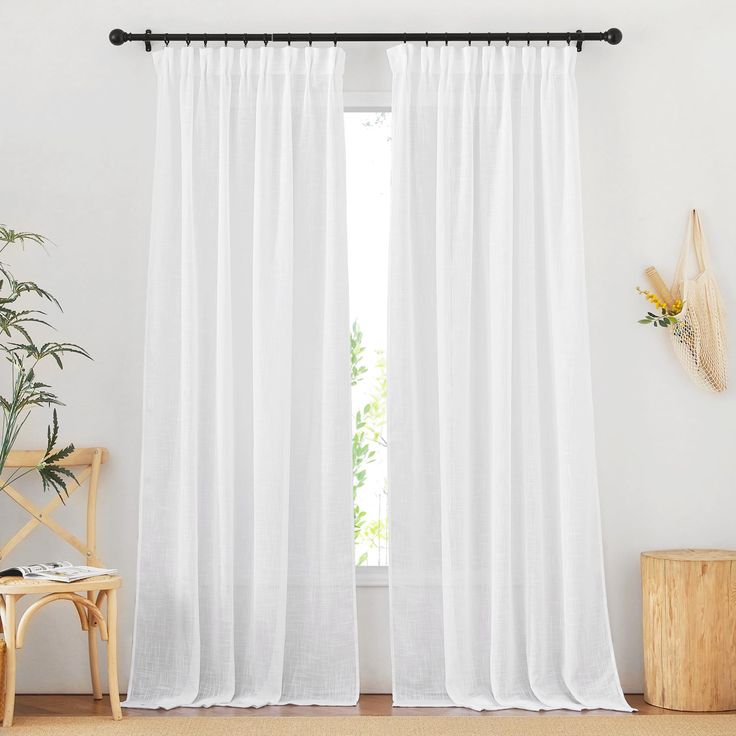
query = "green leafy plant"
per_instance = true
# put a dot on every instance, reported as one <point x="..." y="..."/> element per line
<point x="658" y="320"/>
<point x="363" y="455"/>
<point x="369" y="425"/>
<point x="24" y="356"/>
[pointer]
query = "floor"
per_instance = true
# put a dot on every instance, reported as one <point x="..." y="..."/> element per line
<point x="369" y="705"/>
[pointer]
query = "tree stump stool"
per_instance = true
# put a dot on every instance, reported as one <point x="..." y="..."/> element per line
<point x="2" y="675"/>
<point x="689" y="616"/>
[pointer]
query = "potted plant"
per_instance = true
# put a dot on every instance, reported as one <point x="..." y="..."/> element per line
<point x="18" y="320"/>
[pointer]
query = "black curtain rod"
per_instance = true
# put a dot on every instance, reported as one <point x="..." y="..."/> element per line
<point x="613" y="36"/>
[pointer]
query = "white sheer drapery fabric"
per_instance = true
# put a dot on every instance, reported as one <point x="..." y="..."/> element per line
<point x="497" y="588"/>
<point x="246" y="570"/>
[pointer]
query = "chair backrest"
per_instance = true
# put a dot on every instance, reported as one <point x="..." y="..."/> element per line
<point x="87" y="462"/>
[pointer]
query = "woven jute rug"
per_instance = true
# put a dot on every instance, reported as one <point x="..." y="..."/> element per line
<point x="593" y="725"/>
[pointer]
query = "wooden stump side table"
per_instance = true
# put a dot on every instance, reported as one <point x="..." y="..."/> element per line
<point x="689" y="618"/>
<point x="2" y="675"/>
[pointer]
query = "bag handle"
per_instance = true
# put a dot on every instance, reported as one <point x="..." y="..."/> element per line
<point x="695" y="242"/>
<point x="699" y="244"/>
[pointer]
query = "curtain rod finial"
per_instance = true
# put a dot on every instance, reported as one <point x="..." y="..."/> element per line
<point x="118" y="37"/>
<point x="613" y="36"/>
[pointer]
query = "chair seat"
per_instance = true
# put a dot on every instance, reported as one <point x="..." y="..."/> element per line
<point x="15" y="585"/>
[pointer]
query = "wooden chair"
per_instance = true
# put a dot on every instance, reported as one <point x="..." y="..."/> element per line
<point x="87" y="596"/>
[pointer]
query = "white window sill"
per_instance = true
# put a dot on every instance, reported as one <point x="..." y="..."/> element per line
<point x="367" y="101"/>
<point x="371" y="576"/>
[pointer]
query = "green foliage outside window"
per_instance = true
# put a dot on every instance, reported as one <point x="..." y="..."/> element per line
<point x="369" y="428"/>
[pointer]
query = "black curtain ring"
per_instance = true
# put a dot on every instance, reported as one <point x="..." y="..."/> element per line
<point x="528" y="39"/>
<point x="508" y="39"/>
<point x="265" y="40"/>
<point x="310" y="39"/>
<point x="568" y="39"/>
<point x="245" y="39"/>
<point x="470" y="39"/>
<point x="445" y="39"/>
<point x="188" y="39"/>
<point x="166" y="39"/>
<point x="489" y="38"/>
<point x="226" y="35"/>
<point x="288" y="39"/>
<point x="547" y="39"/>
<point x="205" y="40"/>
<point x="426" y="39"/>
<point x="334" y="42"/>
<point x="405" y="38"/>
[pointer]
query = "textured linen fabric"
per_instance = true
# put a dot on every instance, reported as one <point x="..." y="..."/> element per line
<point x="497" y="587"/>
<point x="246" y="589"/>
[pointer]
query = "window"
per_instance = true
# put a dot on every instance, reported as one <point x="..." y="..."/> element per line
<point x="368" y="149"/>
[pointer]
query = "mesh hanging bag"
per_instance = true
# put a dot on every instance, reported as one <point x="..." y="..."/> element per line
<point x="699" y="337"/>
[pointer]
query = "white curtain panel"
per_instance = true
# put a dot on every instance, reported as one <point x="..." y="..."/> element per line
<point x="497" y="587"/>
<point x="246" y="570"/>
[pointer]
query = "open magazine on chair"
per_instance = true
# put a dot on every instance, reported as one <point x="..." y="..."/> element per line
<point x="60" y="572"/>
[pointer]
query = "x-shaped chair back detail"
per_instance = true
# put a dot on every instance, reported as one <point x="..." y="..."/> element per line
<point x="89" y="460"/>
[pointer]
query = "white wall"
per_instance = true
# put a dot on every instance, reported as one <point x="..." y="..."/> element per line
<point x="657" y="120"/>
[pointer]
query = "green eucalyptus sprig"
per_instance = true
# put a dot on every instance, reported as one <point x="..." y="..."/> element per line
<point x="24" y="356"/>
<point x="659" y="320"/>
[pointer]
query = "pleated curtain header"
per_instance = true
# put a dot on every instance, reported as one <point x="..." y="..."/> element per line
<point x="291" y="60"/>
<point x="331" y="60"/>
<point x="504" y="60"/>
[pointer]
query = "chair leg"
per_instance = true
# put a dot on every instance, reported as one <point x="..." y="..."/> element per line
<point x="10" y="654"/>
<point x="112" y="654"/>
<point x="94" y="663"/>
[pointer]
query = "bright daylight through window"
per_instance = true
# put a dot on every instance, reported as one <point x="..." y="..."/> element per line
<point x="368" y="145"/>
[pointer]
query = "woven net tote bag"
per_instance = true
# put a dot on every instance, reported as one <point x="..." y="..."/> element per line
<point x="699" y="337"/>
